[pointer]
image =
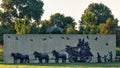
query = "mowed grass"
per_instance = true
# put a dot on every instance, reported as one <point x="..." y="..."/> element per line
<point x="61" y="65"/>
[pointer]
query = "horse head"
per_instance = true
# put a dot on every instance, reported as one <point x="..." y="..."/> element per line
<point x="12" y="54"/>
<point x="54" y="52"/>
<point x="15" y="55"/>
<point x="36" y="54"/>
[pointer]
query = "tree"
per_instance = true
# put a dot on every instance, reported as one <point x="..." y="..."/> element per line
<point x="109" y="27"/>
<point x="5" y="30"/>
<point x="98" y="18"/>
<point x="34" y="29"/>
<point x="56" y="31"/>
<point x="22" y="26"/>
<point x="43" y="26"/>
<point x="89" y="18"/>
<point x="18" y="9"/>
<point x="101" y="12"/>
<point x="118" y="38"/>
<point x="70" y="30"/>
<point x="61" y="21"/>
<point x="32" y="9"/>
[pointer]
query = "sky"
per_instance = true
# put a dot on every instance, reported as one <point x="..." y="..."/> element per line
<point x="75" y="8"/>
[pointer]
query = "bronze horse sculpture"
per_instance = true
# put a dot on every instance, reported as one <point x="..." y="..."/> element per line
<point x="57" y="55"/>
<point x="21" y="57"/>
<point x="41" y="56"/>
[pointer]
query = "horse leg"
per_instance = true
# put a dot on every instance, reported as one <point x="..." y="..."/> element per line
<point x="15" y="60"/>
<point x="47" y="60"/>
<point x="40" y="60"/>
<point x="62" y="60"/>
<point x="56" y="60"/>
<point x="28" y="60"/>
<point x="70" y="59"/>
<point x="21" y="60"/>
<point x="65" y="60"/>
<point x="24" y="60"/>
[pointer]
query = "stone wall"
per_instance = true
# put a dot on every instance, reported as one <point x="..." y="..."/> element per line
<point x="45" y="43"/>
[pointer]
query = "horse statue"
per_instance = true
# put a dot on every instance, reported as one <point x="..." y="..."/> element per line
<point x="57" y="55"/>
<point x="21" y="57"/>
<point x="41" y="56"/>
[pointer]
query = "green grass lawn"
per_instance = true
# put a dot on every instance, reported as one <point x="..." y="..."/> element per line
<point x="113" y="64"/>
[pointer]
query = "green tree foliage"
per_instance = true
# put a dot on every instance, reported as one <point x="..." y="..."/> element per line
<point x="5" y="30"/>
<point x="18" y="9"/>
<point x="69" y="30"/>
<point x="32" y="9"/>
<point x="61" y="21"/>
<point x="34" y="29"/>
<point x="0" y="15"/>
<point x="89" y="18"/>
<point x="98" y="18"/>
<point x="118" y="38"/>
<point x="101" y="11"/>
<point x="22" y="26"/>
<point x="43" y="26"/>
<point x="109" y="27"/>
<point x="56" y="31"/>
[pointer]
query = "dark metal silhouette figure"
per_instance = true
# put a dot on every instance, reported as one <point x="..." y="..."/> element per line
<point x="72" y="53"/>
<point x="96" y="38"/>
<point x="9" y="37"/>
<point x="99" y="58"/>
<point x="67" y="38"/>
<point x="21" y="57"/>
<point x="106" y="44"/>
<point x="41" y="56"/>
<point x="31" y="40"/>
<point x="44" y="39"/>
<point x="17" y="38"/>
<point x="111" y="56"/>
<point x="80" y="53"/>
<point x="105" y="58"/>
<point x="87" y="37"/>
<point x="50" y="37"/>
<point x="62" y="37"/>
<point x="57" y="55"/>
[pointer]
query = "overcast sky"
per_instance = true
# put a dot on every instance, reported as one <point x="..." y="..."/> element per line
<point x="75" y="8"/>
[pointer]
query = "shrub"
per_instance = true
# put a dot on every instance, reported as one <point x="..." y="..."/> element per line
<point x="117" y="51"/>
<point x="1" y="54"/>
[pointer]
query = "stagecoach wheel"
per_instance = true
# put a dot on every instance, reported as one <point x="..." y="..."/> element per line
<point x="88" y="58"/>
